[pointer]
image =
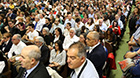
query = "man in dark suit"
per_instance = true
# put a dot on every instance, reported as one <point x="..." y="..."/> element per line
<point x="96" y="54"/>
<point x="11" y="14"/>
<point x="31" y="66"/>
<point x="45" y="51"/>
<point x="11" y="28"/>
<point x="6" y="43"/>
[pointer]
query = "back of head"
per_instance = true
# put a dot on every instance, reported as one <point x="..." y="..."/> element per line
<point x="95" y="35"/>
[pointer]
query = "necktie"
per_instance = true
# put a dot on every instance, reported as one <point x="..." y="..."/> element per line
<point x="25" y="73"/>
<point x="35" y="25"/>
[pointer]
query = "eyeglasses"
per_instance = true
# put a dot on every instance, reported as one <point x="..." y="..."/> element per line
<point x="36" y="42"/>
<point x="4" y="37"/>
<point x="89" y="39"/>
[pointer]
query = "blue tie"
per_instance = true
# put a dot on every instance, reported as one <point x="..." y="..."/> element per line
<point x="35" y="25"/>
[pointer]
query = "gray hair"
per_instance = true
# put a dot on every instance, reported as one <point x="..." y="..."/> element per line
<point x="40" y="39"/>
<point x="18" y="36"/>
<point x="34" y="52"/>
<point x="80" y="47"/>
<point x="47" y="30"/>
<point x="73" y="29"/>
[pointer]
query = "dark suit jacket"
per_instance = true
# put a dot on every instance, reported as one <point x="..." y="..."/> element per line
<point x="39" y="72"/>
<point x="98" y="58"/>
<point x="14" y="30"/>
<point x="45" y="55"/>
<point x="7" y="47"/>
<point x="13" y="16"/>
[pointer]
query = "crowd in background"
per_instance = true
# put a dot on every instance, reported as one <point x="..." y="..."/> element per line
<point x="53" y="25"/>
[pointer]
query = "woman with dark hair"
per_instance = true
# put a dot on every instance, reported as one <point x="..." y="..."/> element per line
<point x="21" y="27"/>
<point x="58" y="35"/>
<point x="110" y="36"/>
<point x="97" y="28"/>
<point x="90" y="24"/>
<point x="82" y="38"/>
<point x="106" y="20"/>
<point x="57" y="56"/>
<point x="116" y="29"/>
<point x="82" y="30"/>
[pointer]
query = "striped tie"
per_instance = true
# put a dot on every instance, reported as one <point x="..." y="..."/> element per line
<point x="25" y="73"/>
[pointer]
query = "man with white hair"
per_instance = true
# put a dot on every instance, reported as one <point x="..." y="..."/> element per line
<point x="45" y="52"/>
<point x="17" y="46"/>
<point x="71" y="38"/>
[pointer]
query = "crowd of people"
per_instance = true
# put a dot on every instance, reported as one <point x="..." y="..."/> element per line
<point x="65" y="33"/>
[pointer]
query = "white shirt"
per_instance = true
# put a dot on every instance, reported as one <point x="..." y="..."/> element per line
<point x="59" y="58"/>
<point x="89" y="27"/>
<point x="57" y="26"/>
<point x="39" y="25"/>
<point x="103" y="27"/>
<point x="42" y="20"/>
<point x="76" y="26"/>
<point x="66" y="32"/>
<point x="72" y="21"/>
<point x="91" y="16"/>
<point x="88" y="72"/>
<point x="33" y="34"/>
<point x="68" y="41"/>
<point x="16" y="49"/>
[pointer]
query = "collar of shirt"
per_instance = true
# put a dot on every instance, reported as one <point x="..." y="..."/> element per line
<point x="30" y="70"/>
<point x="18" y="43"/>
<point x="91" y="48"/>
<point x="77" y="70"/>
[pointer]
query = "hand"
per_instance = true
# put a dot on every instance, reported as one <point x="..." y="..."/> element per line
<point x="12" y="60"/>
<point x="56" y="64"/>
<point x="51" y="65"/>
<point x="26" y="37"/>
<point x="6" y="27"/>
<point x="138" y="51"/>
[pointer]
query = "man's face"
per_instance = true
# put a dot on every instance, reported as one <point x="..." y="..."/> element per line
<point x="25" y="60"/>
<point x="47" y="21"/>
<point x="72" y="33"/>
<point x="56" y="22"/>
<point x="72" y="59"/>
<point x="90" y="42"/>
<point x="10" y="24"/>
<point x="15" y="40"/>
<point x="37" y="43"/>
<point x="5" y="38"/>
